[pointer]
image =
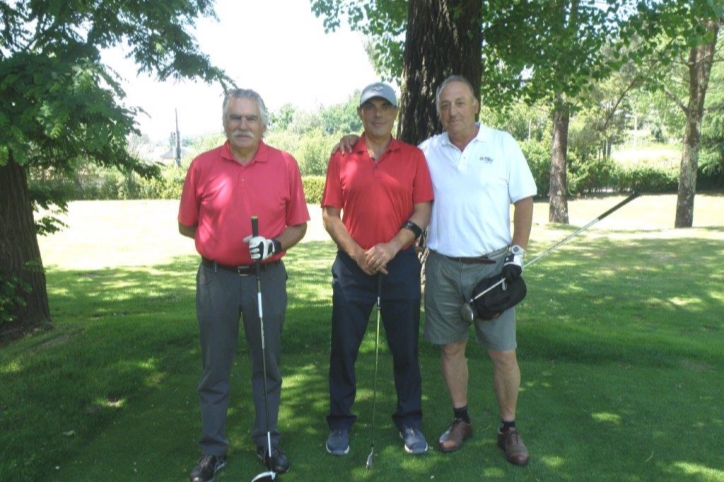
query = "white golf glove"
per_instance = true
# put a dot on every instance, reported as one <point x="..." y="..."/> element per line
<point x="261" y="248"/>
<point x="513" y="264"/>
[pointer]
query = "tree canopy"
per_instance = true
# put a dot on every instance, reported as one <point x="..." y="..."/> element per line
<point x="60" y="105"/>
<point x="58" y="101"/>
<point x="553" y="51"/>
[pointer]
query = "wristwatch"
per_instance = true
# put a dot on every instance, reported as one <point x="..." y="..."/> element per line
<point x="517" y="251"/>
<point x="416" y="230"/>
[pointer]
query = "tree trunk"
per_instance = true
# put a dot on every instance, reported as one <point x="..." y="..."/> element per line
<point x="700" y="63"/>
<point x="558" y="194"/>
<point x="19" y="250"/>
<point x="444" y="37"/>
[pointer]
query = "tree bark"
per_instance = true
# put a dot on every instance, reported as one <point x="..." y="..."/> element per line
<point x="700" y="62"/>
<point x="444" y="37"/>
<point x="558" y="194"/>
<point x="19" y="250"/>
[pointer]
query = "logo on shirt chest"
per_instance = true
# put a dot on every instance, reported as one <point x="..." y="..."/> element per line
<point x="486" y="159"/>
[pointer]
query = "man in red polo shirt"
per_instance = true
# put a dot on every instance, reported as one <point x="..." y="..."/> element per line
<point x="224" y="188"/>
<point x="385" y="192"/>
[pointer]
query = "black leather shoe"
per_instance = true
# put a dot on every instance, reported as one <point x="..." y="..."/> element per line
<point x="278" y="463"/>
<point x="206" y="469"/>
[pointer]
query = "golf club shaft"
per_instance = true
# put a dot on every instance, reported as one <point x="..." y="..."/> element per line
<point x="583" y="228"/>
<point x="374" y="383"/>
<point x="257" y="265"/>
<point x="565" y="240"/>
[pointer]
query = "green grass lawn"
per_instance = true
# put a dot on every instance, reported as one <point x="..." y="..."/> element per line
<point x="620" y="344"/>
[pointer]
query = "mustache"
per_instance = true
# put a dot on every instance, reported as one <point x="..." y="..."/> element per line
<point x="243" y="133"/>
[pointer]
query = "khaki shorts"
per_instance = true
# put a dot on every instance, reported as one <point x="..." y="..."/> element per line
<point x="449" y="284"/>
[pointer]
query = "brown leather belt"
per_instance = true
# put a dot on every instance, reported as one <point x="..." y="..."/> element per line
<point x="243" y="270"/>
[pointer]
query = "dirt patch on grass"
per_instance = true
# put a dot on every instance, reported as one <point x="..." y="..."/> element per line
<point x="696" y="366"/>
<point x="11" y="332"/>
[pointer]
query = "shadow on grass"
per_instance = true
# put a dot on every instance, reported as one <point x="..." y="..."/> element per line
<point x="645" y="302"/>
<point x="614" y="338"/>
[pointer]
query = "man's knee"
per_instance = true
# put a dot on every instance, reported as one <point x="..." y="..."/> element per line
<point x="504" y="359"/>
<point x="453" y="351"/>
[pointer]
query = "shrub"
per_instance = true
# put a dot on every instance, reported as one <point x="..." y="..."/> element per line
<point x="12" y="290"/>
<point x="591" y="176"/>
<point x="313" y="153"/>
<point x="647" y="179"/>
<point x="710" y="176"/>
<point x="313" y="188"/>
<point x="168" y="186"/>
<point x="539" y="161"/>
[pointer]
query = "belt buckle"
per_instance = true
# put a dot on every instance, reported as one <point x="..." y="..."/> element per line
<point x="244" y="270"/>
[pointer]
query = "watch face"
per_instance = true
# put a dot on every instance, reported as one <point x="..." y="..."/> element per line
<point x="517" y="250"/>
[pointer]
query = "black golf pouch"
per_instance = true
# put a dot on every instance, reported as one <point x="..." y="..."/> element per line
<point x="497" y="300"/>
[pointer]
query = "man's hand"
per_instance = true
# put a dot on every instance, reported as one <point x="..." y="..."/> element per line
<point x="379" y="255"/>
<point x="345" y="144"/>
<point x="261" y="248"/>
<point x="513" y="265"/>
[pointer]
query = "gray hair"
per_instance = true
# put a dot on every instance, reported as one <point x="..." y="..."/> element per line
<point x="453" y="78"/>
<point x="245" y="94"/>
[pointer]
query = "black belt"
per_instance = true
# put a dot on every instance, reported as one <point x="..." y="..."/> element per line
<point x="243" y="270"/>
<point x="476" y="260"/>
<point x="484" y="259"/>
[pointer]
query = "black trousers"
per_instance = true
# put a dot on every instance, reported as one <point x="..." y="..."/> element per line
<point x="354" y="298"/>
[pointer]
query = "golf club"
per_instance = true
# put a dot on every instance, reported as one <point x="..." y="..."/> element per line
<point x="374" y="384"/>
<point x="270" y="474"/>
<point x="468" y="314"/>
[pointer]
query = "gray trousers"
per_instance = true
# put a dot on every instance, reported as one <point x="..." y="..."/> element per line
<point x="222" y="298"/>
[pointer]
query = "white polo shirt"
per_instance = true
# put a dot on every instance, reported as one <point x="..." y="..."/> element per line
<point x="474" y="190"/>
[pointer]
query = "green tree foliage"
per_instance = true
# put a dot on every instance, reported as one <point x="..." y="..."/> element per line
<point x="342" y="117"/>
<point x="712" y="130"/>
<point x="535" y="50"/>
<point x="531" y="49"/>
<point x="282" y="119"/>
<point x="680" y="32"/>
<point x="61" y="107"/>
<point x="524" y="122"/>
<point x="309" y="136"/>
<point x="383" y="22"/>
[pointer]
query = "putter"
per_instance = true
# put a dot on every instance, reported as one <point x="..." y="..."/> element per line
<point x="468" y="314"/>
<point x="374" y="384"/>
<point x="270" y="474"/>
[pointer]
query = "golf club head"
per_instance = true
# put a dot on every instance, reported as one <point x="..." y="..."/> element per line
<point x="467" y="313"/>
<point x="265" y="476"/>
<point x="369" y="460"/>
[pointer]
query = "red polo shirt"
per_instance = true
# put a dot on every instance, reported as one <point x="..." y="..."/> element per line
<point x="220" y="196"/>
<point x="376" y="198"/>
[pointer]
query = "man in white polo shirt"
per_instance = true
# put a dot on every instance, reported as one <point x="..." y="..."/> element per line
<point x="477" y="172"/>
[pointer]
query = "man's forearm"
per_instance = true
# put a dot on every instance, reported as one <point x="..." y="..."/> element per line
<point x="188" y="231"/>
<point x="339" y="234"/>
<point x="420" y="217"/>
<point x="292" y="235"/>
<point x="522" y="222"/>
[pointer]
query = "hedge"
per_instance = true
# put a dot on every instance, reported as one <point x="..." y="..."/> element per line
<point x="583" y="178"/>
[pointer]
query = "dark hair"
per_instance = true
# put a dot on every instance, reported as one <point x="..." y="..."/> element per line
<point x="245" y="94"/>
